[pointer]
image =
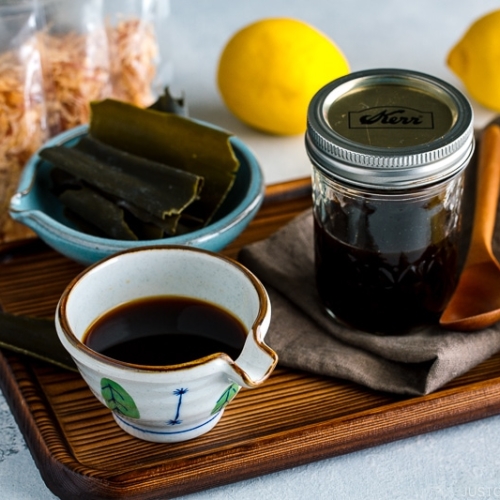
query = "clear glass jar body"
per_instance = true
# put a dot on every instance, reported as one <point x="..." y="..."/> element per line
<point x="386" y="261"/>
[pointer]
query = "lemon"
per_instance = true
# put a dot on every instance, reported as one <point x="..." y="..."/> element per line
<point x="269" y="71"/>
<point x="475" y="59"/>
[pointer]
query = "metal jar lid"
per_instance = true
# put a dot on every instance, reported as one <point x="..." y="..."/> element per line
<point x="389" y="129"/>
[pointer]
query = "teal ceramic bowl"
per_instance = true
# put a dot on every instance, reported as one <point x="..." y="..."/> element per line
<point x="35" y="206"/>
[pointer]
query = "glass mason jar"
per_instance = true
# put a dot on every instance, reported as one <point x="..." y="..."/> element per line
<point x="389" y="149"/>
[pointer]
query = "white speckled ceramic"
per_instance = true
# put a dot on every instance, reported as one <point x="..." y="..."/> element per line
<point x="178" y="402"/>
<point x="35" y="206"/>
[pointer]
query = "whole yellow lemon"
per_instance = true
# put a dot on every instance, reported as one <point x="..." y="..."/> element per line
<point x="475" y="59"/>
<point x="269" y="71"/>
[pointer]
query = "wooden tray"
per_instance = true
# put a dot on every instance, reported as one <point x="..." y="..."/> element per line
<point x="294" y="418"/>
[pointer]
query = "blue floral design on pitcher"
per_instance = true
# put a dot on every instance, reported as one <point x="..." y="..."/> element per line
<point x="176" y="420"/>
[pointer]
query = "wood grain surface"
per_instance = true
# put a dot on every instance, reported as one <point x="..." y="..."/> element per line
<point x="294" y="418"/>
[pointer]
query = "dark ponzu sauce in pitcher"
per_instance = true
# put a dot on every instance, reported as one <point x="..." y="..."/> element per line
<point x="160" y="331"/>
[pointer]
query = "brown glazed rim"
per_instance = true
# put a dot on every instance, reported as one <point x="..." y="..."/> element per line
<point x="263" y="311"/>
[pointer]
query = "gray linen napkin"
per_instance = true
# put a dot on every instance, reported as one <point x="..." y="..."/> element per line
<point x="305" y="337"/>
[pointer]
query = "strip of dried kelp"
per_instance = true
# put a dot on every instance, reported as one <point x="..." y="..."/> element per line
<point x="100" y="221"/>
<point x="99" y="211"/>
<point x="173" y="140"/>
<point x="62" y="180"/>
<point x="159" y="199"/>
<point x="173" y="181"/>
<point x="188" y="223"/>
<point x="169" y="104"/>
<point x="83" y="225"/>
<point x="34" y="337"/>
<point x="153" y="227"/>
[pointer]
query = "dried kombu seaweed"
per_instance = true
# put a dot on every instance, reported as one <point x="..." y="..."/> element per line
<point x="143" y="174"/>
<point x="161" y="195"/>
<point x="98" y="211"/>
<point x="174" y="140"/>
<point x="169" y="104"/>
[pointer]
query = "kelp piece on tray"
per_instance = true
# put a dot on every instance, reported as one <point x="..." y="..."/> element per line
<point x="34" y="337"/>
<point x="173" y="140"/>
<point x="160" y="195"/>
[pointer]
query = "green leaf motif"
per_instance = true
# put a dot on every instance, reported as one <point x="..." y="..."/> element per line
<point x="226" y="397"/>
<point x="118" y="399"/>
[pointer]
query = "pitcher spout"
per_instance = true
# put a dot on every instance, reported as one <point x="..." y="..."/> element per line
<point x="255" y="363"/>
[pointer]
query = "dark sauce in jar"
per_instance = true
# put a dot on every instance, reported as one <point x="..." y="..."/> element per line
<point x="384" y="292"/>
<point x="389" y="149"/>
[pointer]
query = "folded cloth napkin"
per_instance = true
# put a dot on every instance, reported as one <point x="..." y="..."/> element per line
<point x="305" y="337"/>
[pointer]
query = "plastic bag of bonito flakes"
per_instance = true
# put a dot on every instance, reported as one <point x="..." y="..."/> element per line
<point x="56" y="56"/>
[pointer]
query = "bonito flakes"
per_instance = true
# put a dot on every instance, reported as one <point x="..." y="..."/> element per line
<point x="22" y="119"/>
<point x="47" y="84"/>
